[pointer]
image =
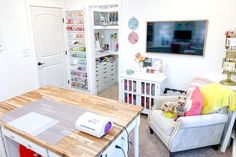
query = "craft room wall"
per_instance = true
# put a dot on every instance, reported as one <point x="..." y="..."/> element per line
<point x="80" y="4"/>
<point x="18" y="70"/>
<point x="181" y="68"/>
<point x="16" y="64"/>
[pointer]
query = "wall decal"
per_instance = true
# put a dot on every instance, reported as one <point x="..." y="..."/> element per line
<point x="133" y="37"/>
<point x="133" y="23"/>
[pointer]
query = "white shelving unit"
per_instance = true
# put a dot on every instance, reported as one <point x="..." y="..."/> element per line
<point x="104" y="27"/>
<point x="77" y="50"/>
<point x="142" y="89"/>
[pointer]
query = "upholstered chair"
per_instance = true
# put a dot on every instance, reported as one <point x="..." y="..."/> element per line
<point x="188" y="132"/>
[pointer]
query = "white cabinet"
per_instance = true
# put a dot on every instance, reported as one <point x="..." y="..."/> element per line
<point x="142" y="89"/>
<point x="112" y="151"/>
<point x="13" y="141"/>
<point x="2" y="147"/>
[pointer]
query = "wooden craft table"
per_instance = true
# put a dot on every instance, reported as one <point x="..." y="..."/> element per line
<point x="77" y="144"/>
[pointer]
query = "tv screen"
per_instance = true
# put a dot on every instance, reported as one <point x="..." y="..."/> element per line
<point x="177" y="37"/>
<point x="183" y="35"/>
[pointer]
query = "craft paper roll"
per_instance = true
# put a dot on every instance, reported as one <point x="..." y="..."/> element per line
<point x="93" y="124"/>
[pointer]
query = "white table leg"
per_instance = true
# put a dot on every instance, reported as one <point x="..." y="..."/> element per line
<point x="234" y="148"/>
<point x="136" y="137"/>
<point x="228" y="134"/>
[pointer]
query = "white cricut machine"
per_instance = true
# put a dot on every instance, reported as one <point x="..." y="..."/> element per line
<point x="93" y="124"/>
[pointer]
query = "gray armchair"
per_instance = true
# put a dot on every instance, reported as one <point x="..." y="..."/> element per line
<point x="187" y="132"/>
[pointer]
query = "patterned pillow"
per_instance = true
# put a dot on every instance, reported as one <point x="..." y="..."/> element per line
<point x="195" y="103"/>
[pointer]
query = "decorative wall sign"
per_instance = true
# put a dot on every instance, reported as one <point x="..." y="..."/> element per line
<point x="133" y="23"/>
<point x="133" y="37"/>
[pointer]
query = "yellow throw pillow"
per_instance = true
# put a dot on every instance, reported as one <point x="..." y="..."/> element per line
<point x="216" y="96"/>
<point x="169" y="114"/>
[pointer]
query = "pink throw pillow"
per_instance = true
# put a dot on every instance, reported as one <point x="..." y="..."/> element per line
<point x="197" y="103"/>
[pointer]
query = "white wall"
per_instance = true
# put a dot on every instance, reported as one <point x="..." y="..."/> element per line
<point x="181" y="68"/>
<point x="18" y="70"/>
<point x="46" y="3"/>
<point x="80" y="4"/>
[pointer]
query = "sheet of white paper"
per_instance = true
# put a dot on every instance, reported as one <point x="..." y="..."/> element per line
<point x="33" y="123"/>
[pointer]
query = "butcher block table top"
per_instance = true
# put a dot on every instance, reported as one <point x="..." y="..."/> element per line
<point x="77" y="143"/>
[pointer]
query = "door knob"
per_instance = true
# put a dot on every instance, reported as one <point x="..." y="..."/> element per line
<point x="39" y="63"/>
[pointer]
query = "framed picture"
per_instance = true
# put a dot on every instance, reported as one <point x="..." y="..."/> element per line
<point x="151" y="70"/>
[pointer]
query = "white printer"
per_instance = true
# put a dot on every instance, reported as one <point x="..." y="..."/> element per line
<point x="93" y="124"/>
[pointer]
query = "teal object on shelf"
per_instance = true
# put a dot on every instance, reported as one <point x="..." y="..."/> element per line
<point x="129" y="72"/>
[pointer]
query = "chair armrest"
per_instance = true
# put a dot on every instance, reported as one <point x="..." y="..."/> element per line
<point x="161" y="99"/>
<point x="202" y="120"/>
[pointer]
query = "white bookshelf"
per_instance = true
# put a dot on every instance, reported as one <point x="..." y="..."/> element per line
<point x="142" y="89"/>
<point x="77" y="50"/>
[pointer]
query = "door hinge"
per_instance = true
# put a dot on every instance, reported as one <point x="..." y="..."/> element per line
<point x="63" y="20"/>
<point x="68" y="81"/>
<point x="66" y="52"/>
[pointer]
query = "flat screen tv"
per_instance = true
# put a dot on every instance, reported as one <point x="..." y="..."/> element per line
<point x="177" y="37"/>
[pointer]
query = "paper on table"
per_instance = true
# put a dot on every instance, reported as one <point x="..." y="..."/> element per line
<point x="33" y="123"/>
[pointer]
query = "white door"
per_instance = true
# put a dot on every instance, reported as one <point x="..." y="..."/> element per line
<point x="48" y="35"/>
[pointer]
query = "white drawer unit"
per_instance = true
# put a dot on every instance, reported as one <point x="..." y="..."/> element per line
<point x="142" y="89"/>
<point x="13" y="141"/>
<point x="106" y="74"/>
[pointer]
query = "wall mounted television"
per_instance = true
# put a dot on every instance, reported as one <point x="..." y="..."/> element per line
<point x="177" y="37"/>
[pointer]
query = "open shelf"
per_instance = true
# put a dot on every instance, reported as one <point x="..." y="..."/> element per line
<point x="105" y="27"/>
<point x="106" y="53"/>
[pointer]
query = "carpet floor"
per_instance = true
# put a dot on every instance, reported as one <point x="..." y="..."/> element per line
<point x="151" y="146"/>
<point x="111" y="93"/>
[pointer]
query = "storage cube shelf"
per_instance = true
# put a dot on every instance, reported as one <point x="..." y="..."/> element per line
<point x="77" y="49"/>
<point x="142" y="89"/>
<point x="106" y="18"/>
